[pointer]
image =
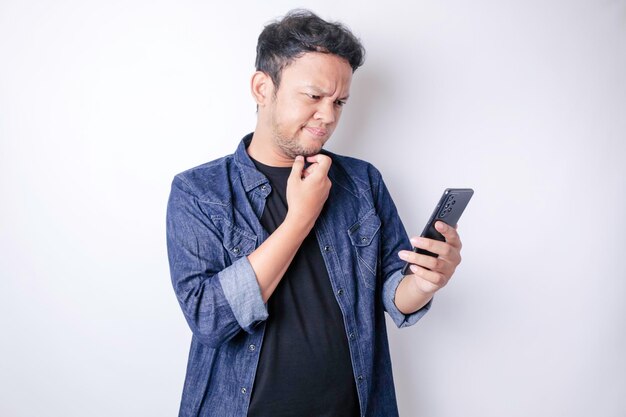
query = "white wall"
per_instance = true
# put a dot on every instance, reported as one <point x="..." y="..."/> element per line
<point x="101" y="103"/>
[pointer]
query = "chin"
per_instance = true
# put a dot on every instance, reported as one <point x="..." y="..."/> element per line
<point x="312" y="150"/>
<point x="314" y="145"/>
<point x="301" y="145"/>
<point x="306" y="153"/>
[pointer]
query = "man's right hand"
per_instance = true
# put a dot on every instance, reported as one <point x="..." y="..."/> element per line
<point x="308" y="189"/>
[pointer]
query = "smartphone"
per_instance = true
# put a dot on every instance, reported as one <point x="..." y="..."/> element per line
<point x="448" y="210"/>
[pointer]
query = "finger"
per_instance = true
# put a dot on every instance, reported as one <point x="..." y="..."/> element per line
<point x="450" y="233"/>
<point x="309" y="170"/>
<point x="297" y="167"/>
<point x="440" y="265"/>
<point x="435" y="278"/>
<point x="323" y="162"/>
<point x="443" y="249"/>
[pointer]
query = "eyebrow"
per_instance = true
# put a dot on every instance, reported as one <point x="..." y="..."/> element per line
<point x="320" y="92"/>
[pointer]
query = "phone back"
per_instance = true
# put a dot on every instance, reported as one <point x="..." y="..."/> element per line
<point x="448" y="210"/>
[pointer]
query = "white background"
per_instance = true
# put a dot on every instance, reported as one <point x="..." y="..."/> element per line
<point x="101" y="103"/>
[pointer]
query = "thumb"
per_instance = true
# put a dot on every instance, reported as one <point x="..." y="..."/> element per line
<point x="298" y="166"/>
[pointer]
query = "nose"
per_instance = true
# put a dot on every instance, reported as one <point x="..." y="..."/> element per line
<point x="325" y="112"/>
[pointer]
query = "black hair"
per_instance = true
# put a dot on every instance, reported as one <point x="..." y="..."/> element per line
<point x="301" y="31"/>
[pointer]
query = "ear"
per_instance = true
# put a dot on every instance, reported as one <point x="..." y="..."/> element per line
<point x="262" y="88"/>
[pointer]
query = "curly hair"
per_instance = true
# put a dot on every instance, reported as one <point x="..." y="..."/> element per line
<point x="301" y="31"/>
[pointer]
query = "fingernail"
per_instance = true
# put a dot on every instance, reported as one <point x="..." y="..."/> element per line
<point x="442" y="226"/>
<point x="402" y="254"/>
<point x="416" y="241"/>
<point x="299" y="158"/>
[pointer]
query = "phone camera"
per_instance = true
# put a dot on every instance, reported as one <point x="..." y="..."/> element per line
<point x="447" y="208"/>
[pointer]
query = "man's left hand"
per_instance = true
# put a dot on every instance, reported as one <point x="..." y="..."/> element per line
<point x="430" y="274"/>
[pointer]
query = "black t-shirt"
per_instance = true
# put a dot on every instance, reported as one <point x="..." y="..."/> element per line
<point x="305" y="368"/>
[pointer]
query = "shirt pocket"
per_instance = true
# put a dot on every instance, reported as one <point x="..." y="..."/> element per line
<point x="236" y="241"/>
<point x="365" y="240"/>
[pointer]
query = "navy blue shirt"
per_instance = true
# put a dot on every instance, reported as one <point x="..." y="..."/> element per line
<point x="213" y="223"/>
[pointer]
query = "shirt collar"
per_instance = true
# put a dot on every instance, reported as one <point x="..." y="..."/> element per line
<point x="250" y="176"/>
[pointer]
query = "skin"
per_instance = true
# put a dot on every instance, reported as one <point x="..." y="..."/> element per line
<point x="301" y="115"/>
<point x="429" y="274"/>
<point x="294" y="122"/>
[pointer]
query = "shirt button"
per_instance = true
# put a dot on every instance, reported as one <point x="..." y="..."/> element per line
<point x="327" y="248"/>
<point x="243" y="390"/>
<point x="236" y="249"/>
<point x="360" y="378"/>
<point x="364" y="239"/>
<point x="264" y="187"/>
<point x="251" y="348"/>
<point x="351" y="336"/>
<point x="340" y="291"/>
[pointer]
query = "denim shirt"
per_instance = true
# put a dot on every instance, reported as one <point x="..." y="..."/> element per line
<point x="213" y="224"/>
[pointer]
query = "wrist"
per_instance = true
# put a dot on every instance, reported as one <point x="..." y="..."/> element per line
<point x="411" y="296"/>
<point x="297" y="222"/>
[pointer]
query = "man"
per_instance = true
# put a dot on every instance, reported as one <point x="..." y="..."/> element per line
<point x="284" y="256"/>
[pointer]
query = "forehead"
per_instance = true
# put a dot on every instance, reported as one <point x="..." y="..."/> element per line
<point x="327" y="72"/>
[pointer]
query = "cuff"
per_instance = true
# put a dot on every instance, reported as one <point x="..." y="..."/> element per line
<point x="389" y="294"/>
<point x="243" y="294"/>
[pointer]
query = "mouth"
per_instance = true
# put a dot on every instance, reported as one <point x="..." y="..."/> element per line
<point x="316" y="131"/>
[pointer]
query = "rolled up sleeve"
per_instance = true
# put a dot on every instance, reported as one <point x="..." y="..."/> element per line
<point x="218" y="298"/>
<point x="389" y="294"/>
<point x="243" y="294"/>
<point x="395" y="239"/>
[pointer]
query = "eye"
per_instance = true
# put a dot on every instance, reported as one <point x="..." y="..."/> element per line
<point x="340" y="103"/>
<point x="313" y="96"/>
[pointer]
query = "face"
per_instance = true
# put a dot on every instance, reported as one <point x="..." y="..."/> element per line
<point x="305" y="110"/>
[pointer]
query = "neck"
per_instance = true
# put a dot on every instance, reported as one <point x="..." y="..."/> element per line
<point x="263" y="149"/>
